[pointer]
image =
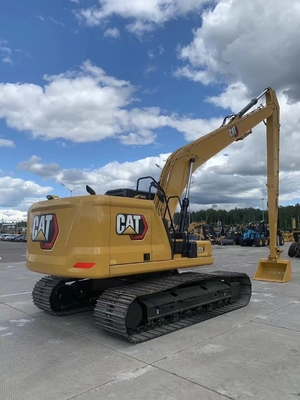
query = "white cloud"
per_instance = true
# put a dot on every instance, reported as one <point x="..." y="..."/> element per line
<point x="194" y="128"/>
<point x="139" y="28"/>
<point x="7" y="60"/>
<point x="150" y="70"/>
<point x="150" y="53"/>
<point x="112" y="32"/>
<point x="242" y="172"/>
<point x="236" y="177"/>
<point x="6" y="143"/>
<point x="5" y="52"/>
<point x="143" y="137"/>
<point x="88" y="105"/>
<point x="15" y="190"/>
<point x="19" y="211"/>
<point x="146" y="15"/>
<point x="112" y="175"/>
<point x="235" y="96"/>
<point x="8" y="215"/>
<point x="75" y="1"/>
<point x="17" y="195"/>
<point x="56" y="22"/>
<point x="247" y="46"/>
<point x="227" y="190"/>
<point x="44" y="170"/>
<point x="254" y="42"/>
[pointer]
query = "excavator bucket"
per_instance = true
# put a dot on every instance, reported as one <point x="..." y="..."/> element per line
<point x="273" y="271"/>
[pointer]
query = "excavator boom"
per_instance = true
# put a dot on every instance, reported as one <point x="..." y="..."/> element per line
<point x="175" y="174"/>
<point x="180" y="165"/>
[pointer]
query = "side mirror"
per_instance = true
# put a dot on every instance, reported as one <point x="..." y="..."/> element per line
<point x="90" y="190"/>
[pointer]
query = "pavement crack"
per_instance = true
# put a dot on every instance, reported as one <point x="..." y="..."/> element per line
<point x="276" y="326"/>
<point x="209" y="338"/>
<point x="15" y="308"/>
<point x="194" y="383"/>
<point x="91" y="389"/>
<point x="113" y="348"/>
<point x="104" y="384"/>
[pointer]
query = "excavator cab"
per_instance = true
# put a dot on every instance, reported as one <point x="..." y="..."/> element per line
<point x="179" y="239"/>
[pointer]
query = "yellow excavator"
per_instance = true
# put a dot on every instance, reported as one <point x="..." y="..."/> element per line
<point x="120" y="254"/>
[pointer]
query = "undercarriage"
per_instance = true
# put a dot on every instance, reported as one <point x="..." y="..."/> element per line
<point x="137" y="309"/>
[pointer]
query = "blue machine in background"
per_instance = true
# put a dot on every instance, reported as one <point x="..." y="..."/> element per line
<point x="255" y="235"/>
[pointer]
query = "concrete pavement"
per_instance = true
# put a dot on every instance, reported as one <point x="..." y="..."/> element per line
<point x="251" y="353"/>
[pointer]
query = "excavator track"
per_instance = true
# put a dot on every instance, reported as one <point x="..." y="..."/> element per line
<point x="121" y="311"/>
<point x="61" y="297"/>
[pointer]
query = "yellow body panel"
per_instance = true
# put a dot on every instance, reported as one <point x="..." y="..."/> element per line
<point x="87" y="233"/>
<point x="83" y="236"/>
<point x="123" y="250"/>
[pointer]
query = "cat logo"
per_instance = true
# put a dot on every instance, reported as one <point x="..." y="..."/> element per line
<point x="135" y="226"/>
<point x="45" y="230"/>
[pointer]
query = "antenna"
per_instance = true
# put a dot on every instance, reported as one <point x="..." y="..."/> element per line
<point x="70" y="190"/>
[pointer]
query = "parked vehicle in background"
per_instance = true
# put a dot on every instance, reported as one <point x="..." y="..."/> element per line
<point x="9" y="238"/>
<point x="3" y="236"/>
<point x="13" y="237"/>
<point x="21" y="238"/>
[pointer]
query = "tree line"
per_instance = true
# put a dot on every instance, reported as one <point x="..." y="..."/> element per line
<point x="236" y="216"/>
<point x="244" y="216"/>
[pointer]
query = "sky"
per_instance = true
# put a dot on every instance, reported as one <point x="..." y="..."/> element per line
<point x="101" y="92"/>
